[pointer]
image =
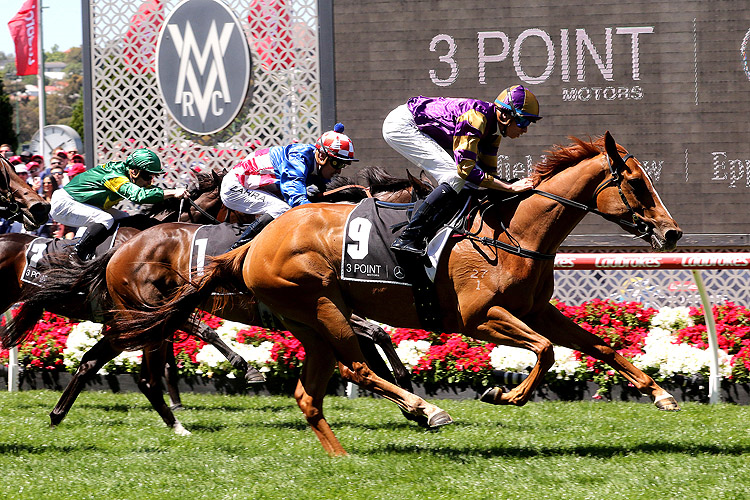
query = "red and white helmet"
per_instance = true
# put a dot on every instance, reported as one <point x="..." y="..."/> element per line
<point x="335" y="143"/>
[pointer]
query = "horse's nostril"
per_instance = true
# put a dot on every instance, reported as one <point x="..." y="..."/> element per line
<point x="673" y="235"/>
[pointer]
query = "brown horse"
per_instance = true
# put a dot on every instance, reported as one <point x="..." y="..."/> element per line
<point x="152" y="265"/>
<point x="18" y="200"/>
<point x="494" y="285"/>
<point x="200" y="206"/>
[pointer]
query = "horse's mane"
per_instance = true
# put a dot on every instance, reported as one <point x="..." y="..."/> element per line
<point x="204" y="181"/>
<point x="561" y="157"/>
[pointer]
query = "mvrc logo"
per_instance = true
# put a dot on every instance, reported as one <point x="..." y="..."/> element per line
<point x="203" y="65"/>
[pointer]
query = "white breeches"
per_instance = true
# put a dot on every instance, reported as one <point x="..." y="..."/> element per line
<point x="250" y="201"/>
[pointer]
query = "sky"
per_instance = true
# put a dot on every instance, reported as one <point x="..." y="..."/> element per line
<point x="61" y="24"/>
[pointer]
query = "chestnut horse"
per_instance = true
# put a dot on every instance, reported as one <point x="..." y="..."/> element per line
<point x="200" y="206"/>
<point x="152" y="265"/>
<point x="494" y="283"/>
<point x="18" y="200"/>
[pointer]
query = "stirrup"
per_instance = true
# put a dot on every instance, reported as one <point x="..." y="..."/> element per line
<point x="411" y="246"/>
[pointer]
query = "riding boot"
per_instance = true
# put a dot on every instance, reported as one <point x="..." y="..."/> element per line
<point x="93" y="237"/>
<point x="252" y="230"/>
<point x="436" y="210"/>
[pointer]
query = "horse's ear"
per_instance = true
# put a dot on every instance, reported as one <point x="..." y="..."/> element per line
<point x="426" y="179"/>
<point x="216" y="177"/>
<point x="610" y="146"/>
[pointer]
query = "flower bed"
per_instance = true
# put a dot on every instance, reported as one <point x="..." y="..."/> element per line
<point x="668" y="344"/>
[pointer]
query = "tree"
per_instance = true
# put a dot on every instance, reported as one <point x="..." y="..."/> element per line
<point x="7" y="132"/>
<point x="76" y="119"/>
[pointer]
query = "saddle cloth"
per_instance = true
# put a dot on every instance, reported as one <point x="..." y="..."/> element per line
<point x="366" y="255"/>
<point x="210" y="241"/>
<point x="39" y="250"/>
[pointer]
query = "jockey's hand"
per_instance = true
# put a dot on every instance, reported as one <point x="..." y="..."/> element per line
<point x="522" y="185"/>
<point x="313" y="192"/>
<point x="175" y="193"/>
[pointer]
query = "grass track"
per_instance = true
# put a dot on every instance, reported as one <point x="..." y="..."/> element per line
<point x="113" y="446"/>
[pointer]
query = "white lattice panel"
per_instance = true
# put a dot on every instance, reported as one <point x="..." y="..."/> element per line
<point x="653" y="288"/>
<point x="284" y="102"/>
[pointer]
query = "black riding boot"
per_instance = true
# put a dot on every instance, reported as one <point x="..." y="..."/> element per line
<point x="93" y="237"/>
<point x="437" y="209"/>
<point x="252" y="230"/>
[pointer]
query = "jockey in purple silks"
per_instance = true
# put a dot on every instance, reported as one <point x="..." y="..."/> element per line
<point x="456" y="141"/>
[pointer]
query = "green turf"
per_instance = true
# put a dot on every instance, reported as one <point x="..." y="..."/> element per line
<point x="113" y="446"/>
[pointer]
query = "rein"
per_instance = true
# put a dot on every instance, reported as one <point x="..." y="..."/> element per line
<point x="350" y="186"/>
<point x="638" y="224"/>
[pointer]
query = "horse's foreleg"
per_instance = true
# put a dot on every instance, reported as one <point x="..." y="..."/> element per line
<point x="172" y="379"/>
<point x="503" y="328"/>
<point x="209" y="335"/>
<point x="562" y="331"/>
<point x="99" y="355"/>
<point x="149" y="382"/>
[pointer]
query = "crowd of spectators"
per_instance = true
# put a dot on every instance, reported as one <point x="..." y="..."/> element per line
<point x="44" y="178"/>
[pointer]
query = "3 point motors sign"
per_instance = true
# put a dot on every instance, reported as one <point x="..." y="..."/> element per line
<point x="203" y="65"/>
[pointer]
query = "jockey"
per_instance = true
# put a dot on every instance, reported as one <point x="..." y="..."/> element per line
<point x="87" y="200"/>
<point x="456" y="141"/>
<point x="270" y="181"/>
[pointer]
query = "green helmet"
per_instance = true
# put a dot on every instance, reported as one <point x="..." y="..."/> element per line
<point x="144" y="159"/>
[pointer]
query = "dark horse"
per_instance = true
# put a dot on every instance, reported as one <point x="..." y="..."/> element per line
<point x="150" y="266"/>
<point x="494" y="283"/>
<point x="18" y="200"/>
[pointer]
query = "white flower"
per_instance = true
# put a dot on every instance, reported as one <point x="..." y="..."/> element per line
<point x="512" y="359"/>
<point x="661" y="353"/>
<point x="411" y="351"/>
<point x="673" y="318"/>
<point x="566" y="363"/>
<point x="210" y="356"/>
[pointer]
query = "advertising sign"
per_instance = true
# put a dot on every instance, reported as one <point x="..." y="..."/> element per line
<point x="669" y="79"/>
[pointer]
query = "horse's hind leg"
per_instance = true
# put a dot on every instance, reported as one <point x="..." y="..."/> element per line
<point x="99" y="355"/>
<point x="369" y="335"/>
<point x="209" y="335"/>
<point x="172" y="379"/>
<point x="335" y="328"/>
<point x="562" y="331"/>
<point x="312" y="385"/>
<point x="152" y="366"/>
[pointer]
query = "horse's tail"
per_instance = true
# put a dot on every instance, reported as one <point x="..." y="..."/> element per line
<point x="137" y="325"/>
<point x="67" y="283"/>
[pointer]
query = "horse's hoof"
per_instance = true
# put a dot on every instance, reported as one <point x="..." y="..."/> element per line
<point x="667" y="404"/>
<point x="439" y="419"/>
<point x="177" y="407"/>
<point x="490" y="395"/>
<point x="420" y="420"/>
<point x="253" y="376"/>
<point x="180" y="430"/>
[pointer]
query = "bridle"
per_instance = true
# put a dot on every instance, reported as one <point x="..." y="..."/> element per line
<point x="643" y="228"/>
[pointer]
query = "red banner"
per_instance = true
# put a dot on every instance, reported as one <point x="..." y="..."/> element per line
<point x="24" y="29"/>
<point x="140" y="40"/>
<point x="739" y="260"/>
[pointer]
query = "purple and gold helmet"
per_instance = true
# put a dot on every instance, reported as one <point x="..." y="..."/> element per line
<point x="521" y="104"/>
